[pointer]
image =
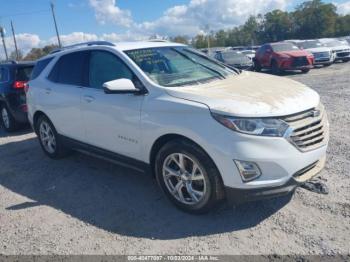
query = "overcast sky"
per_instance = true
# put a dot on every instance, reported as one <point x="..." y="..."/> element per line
<point x="118" y="20"/>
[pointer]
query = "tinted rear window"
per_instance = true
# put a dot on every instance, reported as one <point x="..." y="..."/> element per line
<point x="24" y="73"/>
<point x="3" y="74"/>
<point x="40" y="66"/>
<point x="70" y="69"/>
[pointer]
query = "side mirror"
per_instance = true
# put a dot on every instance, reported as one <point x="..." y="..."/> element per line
<point x="120" y="86"/>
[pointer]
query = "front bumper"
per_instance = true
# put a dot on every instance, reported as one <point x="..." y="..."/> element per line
<point x="239" y="195"/>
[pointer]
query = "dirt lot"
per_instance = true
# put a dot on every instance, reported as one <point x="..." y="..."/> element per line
<point x="82" y="205"/>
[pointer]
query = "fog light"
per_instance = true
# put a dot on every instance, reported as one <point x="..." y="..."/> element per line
<point x="248" y="170"/>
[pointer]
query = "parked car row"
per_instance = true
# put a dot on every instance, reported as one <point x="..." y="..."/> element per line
<point x="202" y="128"/>
<point x="284" y="56"/>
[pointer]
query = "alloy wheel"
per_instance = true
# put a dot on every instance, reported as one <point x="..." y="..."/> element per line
<point x="184" y="178"/>
<point x="5" y="118"/>
<point x="47" y="137"/>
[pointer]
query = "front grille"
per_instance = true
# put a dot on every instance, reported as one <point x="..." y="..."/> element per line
<point x="310" y="129"/>
<point x="343" y="54"/>
<point x="321" y="55"/>
<point x="300" y="61"/>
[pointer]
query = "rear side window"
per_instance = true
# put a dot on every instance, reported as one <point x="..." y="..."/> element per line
<point x="40" y="66"/>
<point x="70" y="69"/>
<point x="4" y="76"/>
<point x="23" y="73"/>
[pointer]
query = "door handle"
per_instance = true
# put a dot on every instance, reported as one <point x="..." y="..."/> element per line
<point x="48" y="90"/>
<point x="89" y="99"/>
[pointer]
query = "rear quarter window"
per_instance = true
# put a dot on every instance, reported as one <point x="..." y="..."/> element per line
<point x="39" y="67"/>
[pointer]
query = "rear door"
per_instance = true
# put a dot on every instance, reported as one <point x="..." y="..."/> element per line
<point x="62" y="94"/>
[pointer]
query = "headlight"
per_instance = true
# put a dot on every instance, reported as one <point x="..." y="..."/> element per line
<point x="254" y="126"/>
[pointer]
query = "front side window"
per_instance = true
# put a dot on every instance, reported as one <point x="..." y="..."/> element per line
<point x="105" y="67"/>
<point x="69" y="69"/>
<point x="178" y="66"/>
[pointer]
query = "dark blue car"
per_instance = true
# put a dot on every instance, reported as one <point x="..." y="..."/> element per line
<point x="13" y="107"/>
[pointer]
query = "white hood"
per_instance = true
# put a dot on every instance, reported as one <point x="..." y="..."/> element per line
<point x="340" y="48"/>
<point x="251" y="95"/>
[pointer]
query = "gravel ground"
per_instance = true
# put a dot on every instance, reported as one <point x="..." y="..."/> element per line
<point x="83" y="205"/>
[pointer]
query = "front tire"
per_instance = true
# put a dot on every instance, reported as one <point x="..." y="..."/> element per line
<point x="346" y="60"/>
<point x="305" y="71"/>
<point x="49" y="139"/>
<point x="188" y="177"/>
<point x="257" y="66"/>
<point x="7" y="120"/>
<point x="275" y="69"/>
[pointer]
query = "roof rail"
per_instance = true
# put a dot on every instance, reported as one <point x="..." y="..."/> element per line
<point x="82" y="44"/>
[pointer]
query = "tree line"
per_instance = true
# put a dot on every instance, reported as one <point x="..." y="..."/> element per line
<point x="310" y="20"/>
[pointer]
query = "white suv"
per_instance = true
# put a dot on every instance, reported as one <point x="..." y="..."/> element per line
<point x="208" y="132"/>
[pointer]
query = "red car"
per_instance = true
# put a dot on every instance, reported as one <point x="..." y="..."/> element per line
<point x="281" y="57"/>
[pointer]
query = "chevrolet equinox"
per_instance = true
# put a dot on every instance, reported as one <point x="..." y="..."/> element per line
<point x="208" y="132"/>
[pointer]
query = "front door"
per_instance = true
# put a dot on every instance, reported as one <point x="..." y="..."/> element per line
<point x="112" y="121"/>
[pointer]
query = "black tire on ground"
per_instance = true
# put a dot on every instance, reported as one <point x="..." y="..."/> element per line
<point x="59" y="150"/>
<point x="8" y="122"/>
<point x="346" y="60"/>
<point x="274" y="68"/>
<point x="326" y="65"/>
<point x="257" y="66"/>
<point x="214" y="192"/>
<point x="305" y="71"/>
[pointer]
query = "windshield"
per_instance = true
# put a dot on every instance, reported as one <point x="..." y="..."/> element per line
<point x="233" y="56"/>
<point x="309" y="44"/>
<point x="178" y="66"/>
<point x="284" y="47"/>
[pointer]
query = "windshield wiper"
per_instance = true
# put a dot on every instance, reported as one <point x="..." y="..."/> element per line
<point x="221" y="76"/>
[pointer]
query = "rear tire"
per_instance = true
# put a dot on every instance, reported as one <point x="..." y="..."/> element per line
<point x="188" y="177"/>
<point x="305" y="71"/>
<point x="7" y="120"/>
<point x="346" y="60"/>
<point x="327" y="65"/>
<point x="50" y="142"/>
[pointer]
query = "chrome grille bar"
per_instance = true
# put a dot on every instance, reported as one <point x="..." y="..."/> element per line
<point x="309" y="129"/>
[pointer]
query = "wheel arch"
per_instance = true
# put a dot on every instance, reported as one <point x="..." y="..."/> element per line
<point x="36" y="116"/>
<point x="164" y="139"/>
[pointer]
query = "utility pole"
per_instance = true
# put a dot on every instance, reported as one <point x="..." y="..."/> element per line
<point x="14" y="40"/>
<point x="2" y="32"/>
<point x="54" y="19"/>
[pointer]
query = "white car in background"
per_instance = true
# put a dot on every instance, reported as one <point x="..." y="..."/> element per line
<point x="206" y="131"/>
<point x="323" y="55"/>
<point x="249" y="53"/>
<point x="341" y="49"/>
